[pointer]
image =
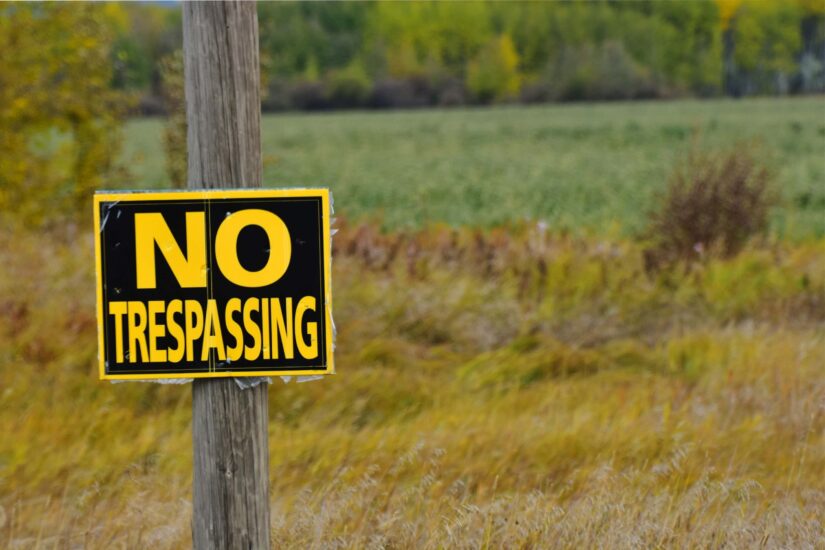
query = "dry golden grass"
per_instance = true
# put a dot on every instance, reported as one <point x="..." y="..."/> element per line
<point x="508" y="388"/>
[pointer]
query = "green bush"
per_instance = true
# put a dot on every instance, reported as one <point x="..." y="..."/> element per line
<point x="349" y="87"/>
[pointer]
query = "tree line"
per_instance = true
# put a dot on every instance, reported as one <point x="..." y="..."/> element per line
<point x="323" y="55"/>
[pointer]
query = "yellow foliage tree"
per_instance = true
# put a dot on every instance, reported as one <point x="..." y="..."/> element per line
<point x="402" y="60"/>
<point x="494" y="74"/>
<point x="59" y="118"/>
<point x="727" y="10"/>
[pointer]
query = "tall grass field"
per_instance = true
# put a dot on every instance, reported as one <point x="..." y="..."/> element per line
<point x="510" y="373"/>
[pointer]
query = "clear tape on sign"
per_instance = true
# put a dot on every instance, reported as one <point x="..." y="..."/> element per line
<point x="250" y="382"/>
<point x="106" y="216"/>
<point x="176" y="381"/>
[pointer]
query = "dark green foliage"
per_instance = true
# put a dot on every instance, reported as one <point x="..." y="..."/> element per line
<point x="299" y="35"/>
<point x="588" y="73"/>
<point x="325" y="55"/>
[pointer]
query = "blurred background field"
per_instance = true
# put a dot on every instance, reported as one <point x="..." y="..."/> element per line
<point x="577" y="167"/>
<point x="573" y="325"/>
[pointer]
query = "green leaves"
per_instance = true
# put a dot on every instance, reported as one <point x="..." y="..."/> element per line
<point x="59" y="117"/>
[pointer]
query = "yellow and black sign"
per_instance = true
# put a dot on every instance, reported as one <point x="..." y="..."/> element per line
<point x="201" y="284"/>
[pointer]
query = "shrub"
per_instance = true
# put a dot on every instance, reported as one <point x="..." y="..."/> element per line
<point x="449" y="91"/>
<point x="400" y="93"/>
<point x="308" y="95"/>
<point x="277" y="96"/>
<point x="150" y="105"/>
<point x="349" y="87"/>
<point x="714" y="203"/>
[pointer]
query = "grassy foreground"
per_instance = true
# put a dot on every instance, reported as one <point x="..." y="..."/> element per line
<point x="587" y="166"/>
<point x="515" y="388"/>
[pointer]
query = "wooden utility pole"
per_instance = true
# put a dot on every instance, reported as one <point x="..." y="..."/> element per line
<point x="229" y="425"/>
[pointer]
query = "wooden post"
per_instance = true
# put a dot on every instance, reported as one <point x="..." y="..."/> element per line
<point x="229" y="425"/>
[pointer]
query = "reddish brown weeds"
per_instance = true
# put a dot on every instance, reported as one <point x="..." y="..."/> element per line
<point x="715" y="201"/>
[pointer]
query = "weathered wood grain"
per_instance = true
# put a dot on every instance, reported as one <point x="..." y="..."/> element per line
<point x="229" y="425"/>
<point x="223" y="96"/>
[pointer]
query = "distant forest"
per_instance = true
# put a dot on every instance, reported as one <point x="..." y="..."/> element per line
<point x="332" y="55"/>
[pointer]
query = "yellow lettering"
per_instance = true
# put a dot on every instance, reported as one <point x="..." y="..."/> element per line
<point x="308" y="351"/>
<point x="265" y="328"/>
<point x="235" y="352"/>
<point x="226" y="248"/>
<point x="151" y="228"/>
<point x="118" y="309"/>
<point x="283" y="324"/>
<point x="175" y="330"/>
<point x="213" y="338"/>
<point x="137" y="331"/>
<point x="156" y="331"/>
<point x="194" y="326"/>
<point x="251" y="353"/>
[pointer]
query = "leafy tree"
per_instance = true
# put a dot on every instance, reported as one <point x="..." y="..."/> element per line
<point x="442" y="34"/>
<point x="762" y="40"/>
<point x="144" y="34"/>
<point x="60" y="119"/>
<point x="297" y="35"/>
<point x="402" y="60"/>
<point x="767" y="35"/>
<point x="349" y="87"/>
<point x="693" y="58"/>
<point x="494" y="74"/>
<point x="530" y="27"/>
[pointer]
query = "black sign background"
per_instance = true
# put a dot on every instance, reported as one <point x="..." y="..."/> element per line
<point x="304" y="218"/>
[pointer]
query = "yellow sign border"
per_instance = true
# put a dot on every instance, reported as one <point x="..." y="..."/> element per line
<point x="203" y="194"/>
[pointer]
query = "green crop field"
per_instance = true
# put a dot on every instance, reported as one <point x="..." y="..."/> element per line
<point x="591" y="167"/>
